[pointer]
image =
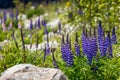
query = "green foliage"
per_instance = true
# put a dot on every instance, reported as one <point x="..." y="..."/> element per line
<point x="37" y="12"/>
<point x="101" y="69"/>
<point x="92" y="11"/>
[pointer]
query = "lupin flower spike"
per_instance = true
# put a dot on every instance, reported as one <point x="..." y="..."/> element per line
<point x="109" y="46"/>
<point x="39" y="23"/>
<point x="5" y="17"/>
<point x="17" y="14"/>
<point x="44" y="22"/>
<point x="77" y="46"/>
<point x="12" y="15"/>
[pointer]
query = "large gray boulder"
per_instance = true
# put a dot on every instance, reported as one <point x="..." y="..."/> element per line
<point x="31" y="72"/>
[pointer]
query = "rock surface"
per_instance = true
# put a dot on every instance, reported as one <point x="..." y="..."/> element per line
<point x="31" y="72"/>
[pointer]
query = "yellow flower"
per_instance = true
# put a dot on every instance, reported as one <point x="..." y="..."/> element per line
<point x="68" y="4"/>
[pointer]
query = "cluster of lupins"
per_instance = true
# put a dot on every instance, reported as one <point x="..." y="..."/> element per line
<point x="66" y="51"/>
<point x="38" y="25"/>
<point x="91" y="44"/>
<point x="5" y="17"/>
<point x="12" y="15"/>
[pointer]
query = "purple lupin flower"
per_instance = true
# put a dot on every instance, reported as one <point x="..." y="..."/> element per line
<point x="47" y="49"/>
<point x="12" y="15"/>
<point x="43" y="23"/>
<point x="101" y="39"/>
<point x="89" y="50"/>
<point x="114" y="38"/>
<point x="68" y="55"/>
<point x="79" y="12"/>
<point x="68" y="41"/>
<point x="94" y="43"/>
<point x="39" y="23"/>
<point x="109" y="45"/>
<point x="31" y="25"/>
<point x="5" y="17"/>
<point x="47" y="46"/>
<point x="62" y="48"/>
<point x="89" y="44"/>
<point x="102" y="44"/>
<point x="45" y="31"/>
<point x="77" y="46"/>
<point x="17" y="15"/>
<point x="84" y="41"/>
<point x="35" y="24"/>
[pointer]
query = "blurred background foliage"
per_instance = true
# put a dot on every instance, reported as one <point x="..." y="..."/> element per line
<point x="12" y="3"/>
<point x="88" y="12"/>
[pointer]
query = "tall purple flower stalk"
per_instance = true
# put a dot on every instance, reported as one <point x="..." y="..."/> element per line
<point x="47" y="46"/>
<point x="114" y="38"/>
<point x="68" y="41"/>
<point x="45" y="30"/>
<point x="101" y="39"/>
<point x="105" y="44"/>
<point x="77" y="46"/>
<point x="62" y="48"/>
<point x="66" y="53"/>
<point x="46" y="50"/>
<point x="108" y="45"/>
<point x="89" y="44"/>
<point x="5" y="16"/>
<point x="17" y="14"/>
<point x="39" y="23"/>
<point x="69" y="56"/>
<point x="84" y="41"/>
<point x="12" y="15"/>
<point x="43" y="22"/>
<point x="94" y="43"/>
